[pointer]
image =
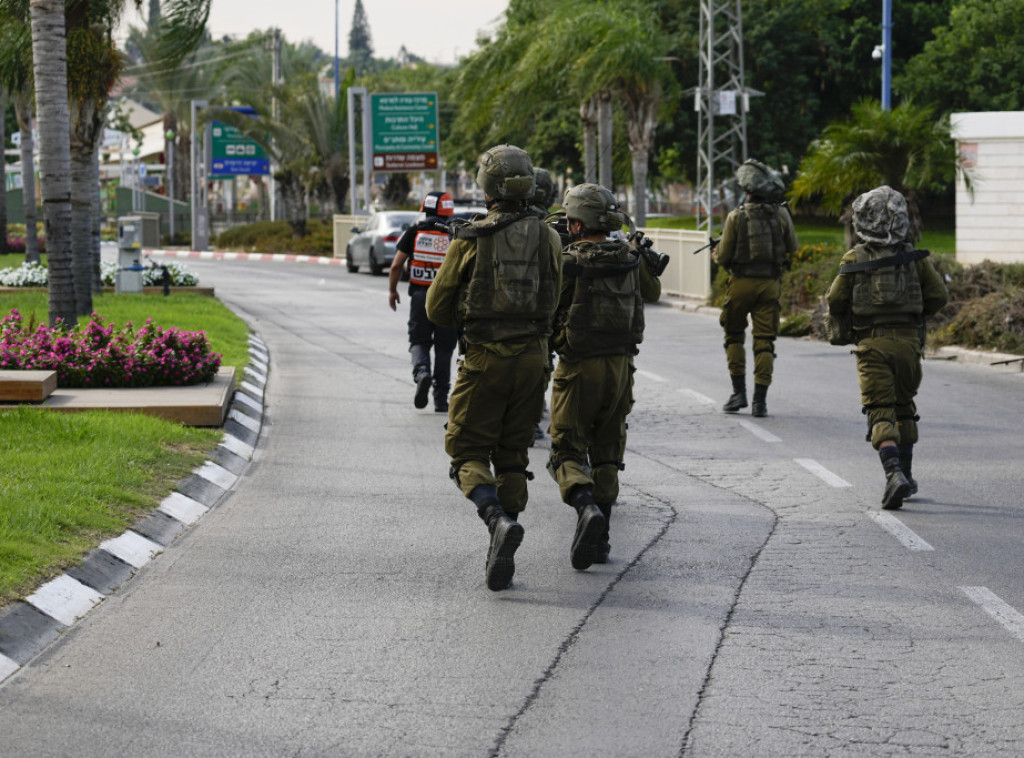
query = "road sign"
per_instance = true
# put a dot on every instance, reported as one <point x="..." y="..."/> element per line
<point x="404" y="131"/>
<point x="233" y="154"/>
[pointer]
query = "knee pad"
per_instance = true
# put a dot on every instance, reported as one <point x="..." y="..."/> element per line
<point x="907" y="424"/>
<point x="606" y="483"/>
<point x="512" y="490"/>
<point x="883" y="425"/>
<point x="468" y="474"/>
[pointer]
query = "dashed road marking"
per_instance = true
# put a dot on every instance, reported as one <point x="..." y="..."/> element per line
<point x="899" y="530"/>
<point x="650" y="375"/>
<point x="758" y="432"/>
<point x="998" y="609"/>
<point x="702" y="399"/>
<point x="822" y="473"/>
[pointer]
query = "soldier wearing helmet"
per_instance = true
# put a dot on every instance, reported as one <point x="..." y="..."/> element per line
<point x="598" y="326"/>
<point x="424" y="245"/>
<point x="498" y="285"/>
<point x="757" y="240"/>
<point x="544" y="192"/>
<point x="880" y="300"/>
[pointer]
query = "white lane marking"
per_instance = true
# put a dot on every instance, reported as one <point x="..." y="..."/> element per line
<point x="995" y="607"/>
<point x="132" y="548"/>
<point x="65" y="599"/>
<point x="218" y="475"/>
<point x="183" y="508"/>
<point x="899" y="530"/>
<point x="7" y="667"/>
<point x="650" y="375"/>
<point x="757" y="431"/>
<point x="251" y="424"/>
<point x="703" y="399"/>
<point x="237" y="447"/>
<point x="822" y="473"/>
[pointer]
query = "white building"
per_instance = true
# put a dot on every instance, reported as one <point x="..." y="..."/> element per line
<point x="990" y="219"/>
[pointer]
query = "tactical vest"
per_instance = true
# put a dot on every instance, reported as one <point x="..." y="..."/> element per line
<point x="428" y="250"/>
<point x="760" y="241"/>
<point x="511" y="294"/>
<point x="606" y="316"/>
<point x="886" y="285"/>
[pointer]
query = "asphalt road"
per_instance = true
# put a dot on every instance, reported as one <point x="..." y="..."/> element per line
<point x="757" y="602"/>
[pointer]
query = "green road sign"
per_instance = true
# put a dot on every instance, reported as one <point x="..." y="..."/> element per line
<point x="235" y="155"/>
<point x="404" y="131"/>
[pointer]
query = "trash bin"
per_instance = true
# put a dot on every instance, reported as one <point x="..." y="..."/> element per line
<point x="128" y="279"/>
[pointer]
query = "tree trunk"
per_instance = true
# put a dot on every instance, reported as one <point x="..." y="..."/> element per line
<point x="49" y="58"/>
<point x="3" y="174"/>
<point x="293" y="194"/>
<point x="588" y="114"/>
<point x="642" y="122"/>
<point x="604" y="138"/>
<point x="97" y="223"/>
<point x="23" y="110"/>
<point x="87" y="127"/>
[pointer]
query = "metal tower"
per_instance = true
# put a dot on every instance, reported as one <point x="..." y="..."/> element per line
<point x="722" y="101"/>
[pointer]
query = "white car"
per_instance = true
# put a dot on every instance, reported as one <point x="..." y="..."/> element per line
<point x="373" y="244"/>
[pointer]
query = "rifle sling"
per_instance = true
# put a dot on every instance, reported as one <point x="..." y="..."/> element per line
<point x="899" y="259"/>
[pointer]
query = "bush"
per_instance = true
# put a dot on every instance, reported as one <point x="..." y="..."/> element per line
<point x="37" y="275"/>
<point x="276" y="237"/>
<point x="98" y="355"/>
<point x="994" y="321"/>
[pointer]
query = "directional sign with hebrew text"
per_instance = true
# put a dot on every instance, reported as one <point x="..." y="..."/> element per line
<point x="404" y="131"/>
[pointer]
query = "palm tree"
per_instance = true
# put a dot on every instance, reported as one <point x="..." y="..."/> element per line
<point x="906" y="148"/>
<point x="23" y="112"/>
<point x="3" y="173"/>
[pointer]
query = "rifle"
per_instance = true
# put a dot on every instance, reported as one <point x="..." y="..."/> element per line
<point x="656" y="262"/>
<point x="712" y="244"/>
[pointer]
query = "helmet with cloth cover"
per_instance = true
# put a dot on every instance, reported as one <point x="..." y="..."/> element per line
<point x="544" y="192"/>
<point x="506" y="173"/>
<point x="880" y="216"/>
<point x="760" y="181"/>
<point x="595" y="206"/>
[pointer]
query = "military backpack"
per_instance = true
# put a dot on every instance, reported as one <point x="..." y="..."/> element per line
<point x="760" y="241"/>
<point x="886" y="285"/>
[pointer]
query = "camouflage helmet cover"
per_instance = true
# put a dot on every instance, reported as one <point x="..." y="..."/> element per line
<point x="758" y="179"/>
<point x="880" y="216"/>
<point x="595" y="206"/>
<point x="506" y="173"/>
<point x="544" y="191"/>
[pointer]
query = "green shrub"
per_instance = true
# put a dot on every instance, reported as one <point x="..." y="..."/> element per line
<point x="797" y="325"/>
<point x="276" y="237"/>
<point x="994" y="322"/>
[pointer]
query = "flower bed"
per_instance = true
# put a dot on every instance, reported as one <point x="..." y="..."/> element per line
<point x="37" y="275"/>
<point x="100" y="355"/>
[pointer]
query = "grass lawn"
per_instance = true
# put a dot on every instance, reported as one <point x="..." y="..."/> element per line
<point x="70" y="480"/>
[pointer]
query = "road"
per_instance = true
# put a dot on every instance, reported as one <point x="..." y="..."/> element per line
<point x="757" y="601"/>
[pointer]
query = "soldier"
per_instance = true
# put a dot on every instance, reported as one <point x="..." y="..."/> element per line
<point x="498" y="284"/>
<point x="879" y="301"/>
<point x="755" y="246"/>
<point x="543" y="196"/>
<point x="598" y="325"/>
<point x="424" y="245"/>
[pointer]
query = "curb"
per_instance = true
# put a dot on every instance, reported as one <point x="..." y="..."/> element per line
<point x="28" y="626"/>
<point x="218" y="256"/>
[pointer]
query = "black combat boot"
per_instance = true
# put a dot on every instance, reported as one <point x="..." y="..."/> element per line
<point x="906" y="460"/>
<point x="738" y="399"/>
<point x="506" y="537"/>
<point x="603" y="545"/>
<point x="759" y="407"/>
<point x="896" y="485"/>
<point x="590" y="525"/>
<point x="421" y="373"/>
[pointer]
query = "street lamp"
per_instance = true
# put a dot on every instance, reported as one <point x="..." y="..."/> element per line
<point x="170" y="179"/>
<point x="883" y="52"/>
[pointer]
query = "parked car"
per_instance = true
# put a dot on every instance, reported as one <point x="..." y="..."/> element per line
<point x="373" y="244"/>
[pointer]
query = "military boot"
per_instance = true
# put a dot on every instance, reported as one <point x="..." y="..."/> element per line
<point x="421" y="373"/>
<point x="906" y="460"/>
<point x="738" y="399"/>
<point x="590" y="525"/>
<point x="896" y="485"/>
<point x="603" y="545"/>
<point x="759" y="407"/>
<point x="506" y="537"/>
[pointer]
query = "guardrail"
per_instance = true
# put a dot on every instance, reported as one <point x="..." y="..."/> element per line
<point x="687" y="275"/>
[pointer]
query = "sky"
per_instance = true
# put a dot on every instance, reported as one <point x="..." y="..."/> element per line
<point x="440" y="31"/>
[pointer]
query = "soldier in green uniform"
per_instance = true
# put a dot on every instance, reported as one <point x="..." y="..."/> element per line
<point x="543" y="197"/>
<point x="879" y="301"/>
<point x="498" y="285"/>
<point x="755" y="246"/>
<point x="598" y="325"/>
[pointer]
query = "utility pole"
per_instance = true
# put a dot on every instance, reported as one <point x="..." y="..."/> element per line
<point x="886" y="53"/>
<point x="721" y="93"/>
<point x="274" y="111"/>
<point x="200" y="162"/>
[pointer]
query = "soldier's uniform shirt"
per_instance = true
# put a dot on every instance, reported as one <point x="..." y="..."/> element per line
<point x="499" y="390"/>
<point x="590" y="400"/>
<point x="889" y="352"/>
<point x="752" y="290"/>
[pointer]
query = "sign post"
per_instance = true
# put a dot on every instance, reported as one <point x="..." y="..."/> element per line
<point x="404" y="127"/>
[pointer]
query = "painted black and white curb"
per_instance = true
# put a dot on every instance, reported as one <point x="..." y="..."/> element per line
<point x="28" y="626"/>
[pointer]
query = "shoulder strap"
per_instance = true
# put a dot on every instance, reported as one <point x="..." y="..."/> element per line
<point x="471" y="231"/>
<point x="899" y="259"/>
<point x="572" y="268"/>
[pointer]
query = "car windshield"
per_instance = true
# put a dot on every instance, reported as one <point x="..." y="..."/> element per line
<point x="400" y="220"/>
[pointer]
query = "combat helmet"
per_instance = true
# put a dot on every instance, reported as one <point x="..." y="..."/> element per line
<point x="760" y="181"/>
<point x="595" y="206"/>
<point x="438" y="203"/>
<point x="880" y="216"/>
<point x="544" y="192"/>
<point x="506" y="173"/>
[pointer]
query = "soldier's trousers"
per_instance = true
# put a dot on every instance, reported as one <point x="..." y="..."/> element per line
<point x="758" y="298"/>
<point x="492" y="415"/>
<point x="889" y="371"/>
<point x="590" y="400"/>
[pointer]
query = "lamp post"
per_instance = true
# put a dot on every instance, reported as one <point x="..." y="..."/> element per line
<point x="883" y="53"/>
<point x="170" y="179"/>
